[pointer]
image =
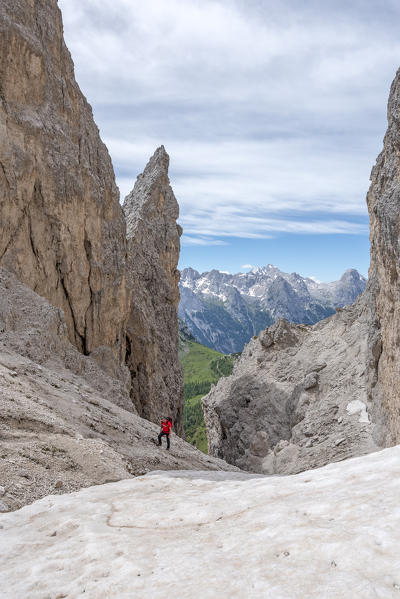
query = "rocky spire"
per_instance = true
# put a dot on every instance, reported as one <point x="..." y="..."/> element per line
<point x="151" y="211"/>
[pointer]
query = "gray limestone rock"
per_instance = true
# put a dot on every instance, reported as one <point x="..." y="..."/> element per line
<point x="311" y="380"/>
<point x="384" y="274"/>
<point x="63" y="422"/>
<point x="292" y="393"/>
<point x="62" y="230"/>
<point x="33" y="328"/>
<point x="151" y="211"/>
<point x="4" y="507"/>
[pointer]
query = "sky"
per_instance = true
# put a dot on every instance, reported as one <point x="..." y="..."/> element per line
<point x="272" y="111"/>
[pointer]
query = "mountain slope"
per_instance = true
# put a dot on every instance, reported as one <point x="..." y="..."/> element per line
<point x="63" y="232"/>
<point x="202" y="367"/>
<point x="63" y="420"/>
<point x="297" y="397"/>
<point x="303" y="396"/>
<point x="224" y="311"/>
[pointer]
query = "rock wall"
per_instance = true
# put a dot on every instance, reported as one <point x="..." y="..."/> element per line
<point x="384" y="209"/>
<point x="151" y="212"/>
<point x="62" y="227"/>
<point x="34" y="329"/>
<point x="297" y="397"/>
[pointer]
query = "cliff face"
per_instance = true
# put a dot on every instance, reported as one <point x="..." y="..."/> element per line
<point x="384" y="209"/>
<point x="67" y="419"/>
<point x="297" y="397"/>
<point x="153" y="236"/>
<point x="62" y="228"/>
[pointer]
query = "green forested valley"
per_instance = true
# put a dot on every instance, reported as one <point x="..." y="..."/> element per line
<point x="202" y="367"/>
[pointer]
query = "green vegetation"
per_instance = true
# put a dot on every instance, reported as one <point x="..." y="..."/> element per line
<point x="202" y="367"/>
<point x="193" y="423"/>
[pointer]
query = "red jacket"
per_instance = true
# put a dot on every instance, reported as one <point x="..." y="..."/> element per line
<point x="166" y="426"/>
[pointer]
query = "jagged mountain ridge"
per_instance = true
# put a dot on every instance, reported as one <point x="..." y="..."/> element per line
<point x="224" y="311"/>
<point x="297" y="398"/>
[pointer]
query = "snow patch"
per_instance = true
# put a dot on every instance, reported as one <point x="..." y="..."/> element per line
<point x="322" y="533"/>
<point x="358" y="407"/>
<point x="315" y="279"/>
<point x="186" y="283"/>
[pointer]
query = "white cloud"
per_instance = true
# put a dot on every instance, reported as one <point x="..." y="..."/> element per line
<point x="272" y="112"/>
<point x="280" y="192"/>
<point x="188" y="240"/>
<point x="216" y="50"/>
<point x="273" y="175"/>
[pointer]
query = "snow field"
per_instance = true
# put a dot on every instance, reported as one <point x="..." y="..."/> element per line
<point x="328" y="533"/>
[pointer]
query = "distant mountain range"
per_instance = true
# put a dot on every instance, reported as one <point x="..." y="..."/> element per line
<point x="224" y="311"/>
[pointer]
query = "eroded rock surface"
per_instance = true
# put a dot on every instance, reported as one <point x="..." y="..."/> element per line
<point x="290" y="402"/>
<point x="384" y="210"/>
<point x="63" y="425"/>
<point x="31" y="327"/>
<point x="62" y="227"/>
<point x="151" y="212"/>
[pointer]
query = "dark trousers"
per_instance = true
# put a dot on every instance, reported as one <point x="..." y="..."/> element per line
<point x="159" y="438"/>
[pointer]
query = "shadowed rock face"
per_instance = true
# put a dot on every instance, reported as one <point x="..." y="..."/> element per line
<point x="384" y="285"/>
<point x="62" y="228"/>
<point x="297" y="398"/>
<point x="153" y="236"/>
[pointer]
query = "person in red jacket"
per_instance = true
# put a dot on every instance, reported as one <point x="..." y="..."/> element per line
<point x="166" y="426"/>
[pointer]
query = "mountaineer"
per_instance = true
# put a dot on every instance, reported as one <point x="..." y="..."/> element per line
<point x="166" y="426"/>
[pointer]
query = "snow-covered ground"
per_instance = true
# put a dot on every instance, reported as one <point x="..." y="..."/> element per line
<point x="329" y="533"/>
